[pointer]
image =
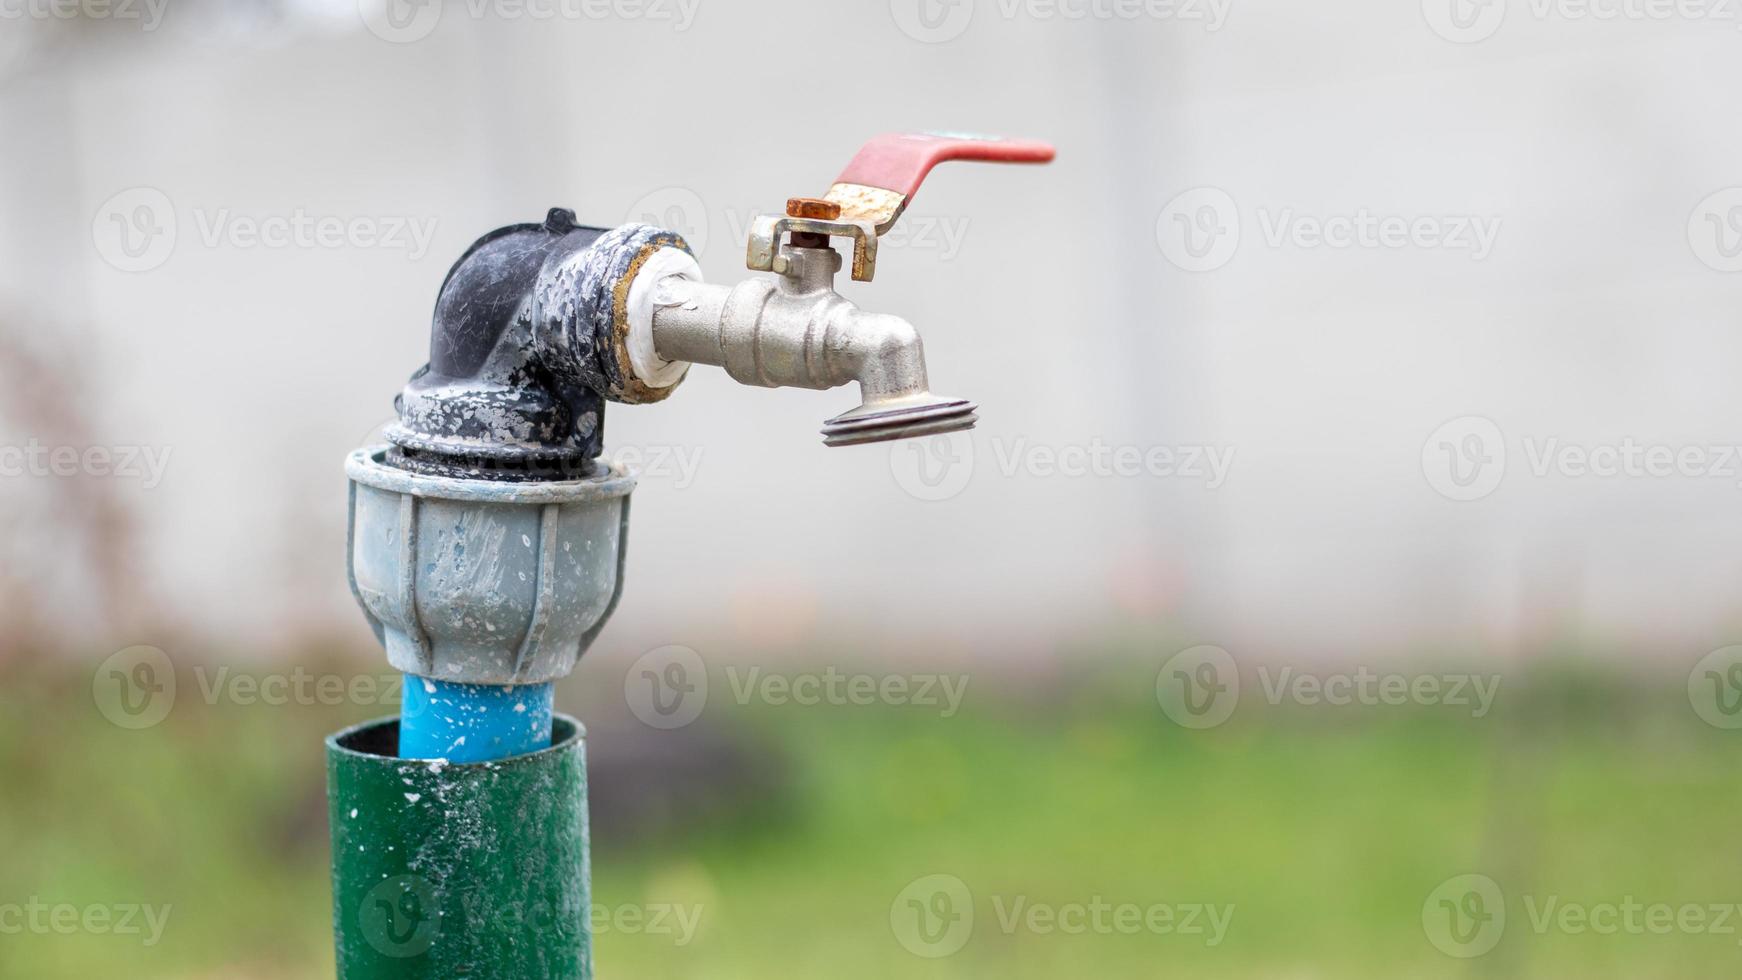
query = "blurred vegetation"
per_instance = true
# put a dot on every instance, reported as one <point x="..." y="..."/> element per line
<point x="1326" y="828"/>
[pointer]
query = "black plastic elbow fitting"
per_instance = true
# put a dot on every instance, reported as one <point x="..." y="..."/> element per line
<point x="526" y="346"/>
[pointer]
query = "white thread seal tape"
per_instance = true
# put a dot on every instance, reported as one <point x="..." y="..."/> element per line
<point x="653" y="370"/>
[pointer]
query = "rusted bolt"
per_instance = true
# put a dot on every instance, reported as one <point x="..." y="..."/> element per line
<point x="812" y="207"/>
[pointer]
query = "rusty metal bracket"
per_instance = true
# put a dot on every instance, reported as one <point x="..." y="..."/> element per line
<point x="868" y="197"/>
<point x="762" y="253"/>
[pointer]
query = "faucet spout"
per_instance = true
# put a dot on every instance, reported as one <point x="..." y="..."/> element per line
<point x="794" y="331"/>
<point x="896" y="402"/>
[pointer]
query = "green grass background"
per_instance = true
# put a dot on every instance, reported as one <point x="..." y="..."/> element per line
<point x="1325" y="828"/>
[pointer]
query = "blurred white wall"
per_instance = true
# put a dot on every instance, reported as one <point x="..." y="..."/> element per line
<point x="1055" y="298"/>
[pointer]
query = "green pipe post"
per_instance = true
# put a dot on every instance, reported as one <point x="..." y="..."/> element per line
<point x="448" y="871"/>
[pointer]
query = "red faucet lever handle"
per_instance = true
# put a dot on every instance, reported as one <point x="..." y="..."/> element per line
<point x="888" y="170"/>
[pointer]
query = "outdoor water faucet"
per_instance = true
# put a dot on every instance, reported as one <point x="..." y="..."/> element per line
<point x="795" y="330"/>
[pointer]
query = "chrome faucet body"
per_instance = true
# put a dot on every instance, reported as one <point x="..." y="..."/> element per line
<point x="793" y="331"/>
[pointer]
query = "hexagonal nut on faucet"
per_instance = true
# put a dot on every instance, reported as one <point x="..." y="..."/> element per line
<point x="485" y="581"/>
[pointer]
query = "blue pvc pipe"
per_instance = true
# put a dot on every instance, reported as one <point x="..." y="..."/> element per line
<point x="473" y="722"/>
